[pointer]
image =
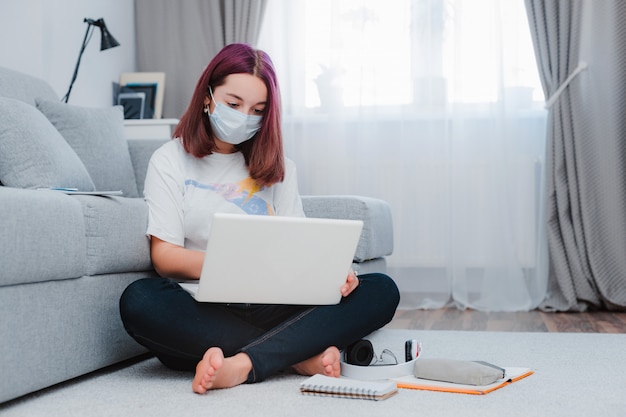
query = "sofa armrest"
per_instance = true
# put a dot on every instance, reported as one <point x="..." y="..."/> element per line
<point x="140" y="152"/>
<point x="377" y="235"/>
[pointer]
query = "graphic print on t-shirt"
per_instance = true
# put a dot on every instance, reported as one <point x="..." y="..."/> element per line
<point x="242" y="194"/>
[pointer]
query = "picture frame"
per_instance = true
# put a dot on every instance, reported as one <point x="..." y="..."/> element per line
<point x="152" y="84"/>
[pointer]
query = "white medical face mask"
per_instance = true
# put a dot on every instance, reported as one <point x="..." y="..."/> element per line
<point x="232" y="126"/>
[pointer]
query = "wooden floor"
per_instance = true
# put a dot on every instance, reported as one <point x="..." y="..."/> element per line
<point x="533" y="321"/>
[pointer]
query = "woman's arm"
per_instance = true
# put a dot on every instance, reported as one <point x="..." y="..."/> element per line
<point x="175" y="261"/>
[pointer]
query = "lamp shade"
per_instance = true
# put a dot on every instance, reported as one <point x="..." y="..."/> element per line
<point x="107" y="40"/>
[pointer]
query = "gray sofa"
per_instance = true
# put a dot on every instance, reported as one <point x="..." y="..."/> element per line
<point x="65" y="259"/>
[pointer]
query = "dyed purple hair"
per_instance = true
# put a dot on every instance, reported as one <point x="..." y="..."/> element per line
<point x="264" y="152"/>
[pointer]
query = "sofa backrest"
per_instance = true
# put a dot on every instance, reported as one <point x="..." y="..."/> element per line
<point x="24" y="87"/>
<point x="141" y="151"/>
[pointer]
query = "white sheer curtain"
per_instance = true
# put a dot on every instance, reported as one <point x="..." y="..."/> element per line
<point x="436" y="107"/>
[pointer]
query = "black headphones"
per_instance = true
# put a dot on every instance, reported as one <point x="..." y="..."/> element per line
<point x="361" y="352"/>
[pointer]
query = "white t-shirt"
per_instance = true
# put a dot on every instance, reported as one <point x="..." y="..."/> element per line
<point x="183" y="192"/>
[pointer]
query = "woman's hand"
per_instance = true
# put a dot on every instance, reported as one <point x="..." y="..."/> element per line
<point x="351" y="283"/>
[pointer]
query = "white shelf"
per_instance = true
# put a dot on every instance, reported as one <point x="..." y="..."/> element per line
<point x="149" y="128"/>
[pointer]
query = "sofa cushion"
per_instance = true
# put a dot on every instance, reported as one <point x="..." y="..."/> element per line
<point x="32" y="152"/>
<point x="115" y="228"/>
<point x="43" y="236"/>
<point x="23" y="87"/>
<point x="97" y="136"/>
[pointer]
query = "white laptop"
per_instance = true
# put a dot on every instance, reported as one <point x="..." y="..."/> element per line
<point x="276" y="260"/>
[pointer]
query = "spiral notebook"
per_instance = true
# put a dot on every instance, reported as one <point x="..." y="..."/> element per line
<point x="326" y="386"/>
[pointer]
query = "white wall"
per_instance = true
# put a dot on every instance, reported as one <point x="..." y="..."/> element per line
<point x="43" y="38"/>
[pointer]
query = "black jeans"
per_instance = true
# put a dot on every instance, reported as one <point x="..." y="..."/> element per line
<point x="163" y="317"/>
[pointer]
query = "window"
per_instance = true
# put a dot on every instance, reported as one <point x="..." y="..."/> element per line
<point x="359" y="50"/>
<point x="402" y="52"/>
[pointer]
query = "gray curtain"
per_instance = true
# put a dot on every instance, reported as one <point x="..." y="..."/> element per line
<point x="180" y="38"/>
<point x="586" y="153"/>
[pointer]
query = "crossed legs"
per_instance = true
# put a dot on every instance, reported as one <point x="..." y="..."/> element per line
<point x="230" y="345"/>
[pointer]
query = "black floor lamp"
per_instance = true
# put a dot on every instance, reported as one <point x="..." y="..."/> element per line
<point x="107" y="41"/>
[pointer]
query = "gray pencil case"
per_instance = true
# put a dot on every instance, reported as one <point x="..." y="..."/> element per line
<point x="457" y="371"/>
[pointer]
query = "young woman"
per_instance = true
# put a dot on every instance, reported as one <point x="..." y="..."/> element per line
<point x="227" y="156"/>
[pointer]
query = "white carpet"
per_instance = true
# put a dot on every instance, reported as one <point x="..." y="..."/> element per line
<point x="576" y="374"/>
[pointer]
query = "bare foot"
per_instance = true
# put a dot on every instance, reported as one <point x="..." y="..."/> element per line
<point x="326" y="363"/>
<point x="214" y="371"/>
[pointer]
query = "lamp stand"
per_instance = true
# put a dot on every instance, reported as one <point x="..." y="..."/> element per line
<point x="89" y="30"/>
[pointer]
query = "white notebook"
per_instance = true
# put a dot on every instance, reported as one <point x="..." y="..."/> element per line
<point x="76" y="191"/>
<point x="326" y="386"/>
